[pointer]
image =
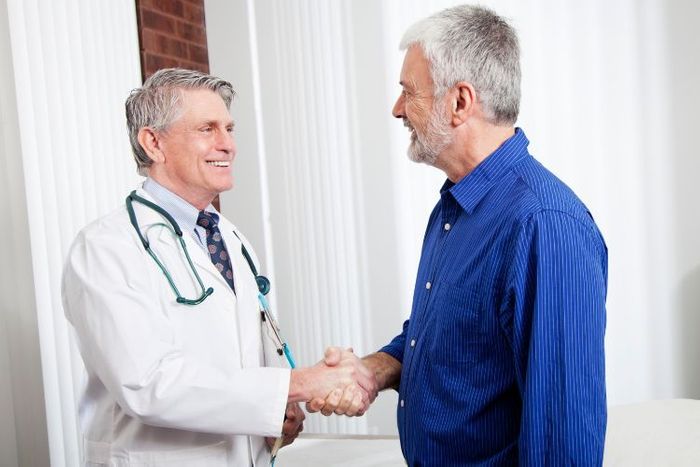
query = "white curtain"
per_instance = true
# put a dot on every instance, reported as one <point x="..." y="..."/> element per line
<point x="73" y="63"/>
<point x="609" y="102"/>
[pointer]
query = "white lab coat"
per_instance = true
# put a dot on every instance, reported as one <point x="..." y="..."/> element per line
<point x="169" y="384"/>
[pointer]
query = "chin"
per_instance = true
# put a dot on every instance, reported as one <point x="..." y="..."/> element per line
<point x="225" y="186"/>
<point x="418" y="153"/>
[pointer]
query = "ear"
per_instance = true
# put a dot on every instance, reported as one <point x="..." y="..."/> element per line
<point x="150" y="142"/>
<point x="464" y="103"/>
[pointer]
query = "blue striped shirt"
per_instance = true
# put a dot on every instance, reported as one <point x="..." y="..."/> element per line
<point x="502" y="357"/>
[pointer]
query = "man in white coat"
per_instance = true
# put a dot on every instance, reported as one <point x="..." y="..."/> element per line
<point x="175" y="380"/>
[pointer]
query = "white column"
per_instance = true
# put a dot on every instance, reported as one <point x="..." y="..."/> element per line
<point x="73" y="63"/>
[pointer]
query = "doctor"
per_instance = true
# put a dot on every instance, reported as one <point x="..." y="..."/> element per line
<point x="171" y="383"/>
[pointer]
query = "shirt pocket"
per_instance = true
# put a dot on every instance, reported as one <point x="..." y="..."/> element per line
<point x="457" y="330"/>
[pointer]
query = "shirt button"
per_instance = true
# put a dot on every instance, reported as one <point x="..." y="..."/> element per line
<point x="413" y="342"/>
<point x="448" y="226"/>
<point x="401" y="402"/>
<point x="428" y="285"/>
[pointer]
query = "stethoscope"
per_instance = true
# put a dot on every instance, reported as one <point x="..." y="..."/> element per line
<point x="262" y="282"/>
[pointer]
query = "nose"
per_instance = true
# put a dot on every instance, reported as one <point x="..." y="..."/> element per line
<point x="226" y="143"/>
<point x="398" y="111"/>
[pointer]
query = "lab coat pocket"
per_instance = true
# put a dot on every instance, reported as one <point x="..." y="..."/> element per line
<point x="457" y="335"/>
<point x="214" y="455"/>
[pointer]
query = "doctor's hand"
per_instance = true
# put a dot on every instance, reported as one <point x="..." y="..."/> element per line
<point x="292" y="426"/>
<point x="352" y="400"/>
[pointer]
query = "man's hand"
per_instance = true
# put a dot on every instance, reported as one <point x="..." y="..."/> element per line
<point x="292" y="426"/>
<point x="354" y="399"/>
<point x="340" y="377"/>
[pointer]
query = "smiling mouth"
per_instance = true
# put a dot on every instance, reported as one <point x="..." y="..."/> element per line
<point x="411" y="129"/>
<point x="219" y="163"/>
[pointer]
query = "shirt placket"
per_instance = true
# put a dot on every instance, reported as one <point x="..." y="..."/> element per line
<point x="417" y="329"/>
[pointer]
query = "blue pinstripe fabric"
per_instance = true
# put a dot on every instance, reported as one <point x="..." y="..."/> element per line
<point x="502" y="357"/>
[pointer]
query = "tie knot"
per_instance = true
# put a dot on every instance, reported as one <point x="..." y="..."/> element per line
<point x="208" y="220"/>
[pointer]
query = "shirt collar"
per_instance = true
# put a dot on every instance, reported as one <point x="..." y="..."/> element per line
<point x="184" y="213"/>
<point x="472" y="188"/>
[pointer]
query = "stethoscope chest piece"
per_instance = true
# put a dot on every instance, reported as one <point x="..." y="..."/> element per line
<point x="263" y="284"/>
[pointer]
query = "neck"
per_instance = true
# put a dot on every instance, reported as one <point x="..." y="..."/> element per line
<point x="194" y="197"/>
<point x="471" y="145"/>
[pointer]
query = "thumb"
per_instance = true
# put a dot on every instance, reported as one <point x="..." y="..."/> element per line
<point x="332" y="356"/>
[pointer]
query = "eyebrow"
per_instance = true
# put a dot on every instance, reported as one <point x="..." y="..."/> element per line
<point x="217" y="122"/>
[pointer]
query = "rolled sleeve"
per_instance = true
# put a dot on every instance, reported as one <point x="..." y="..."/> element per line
<point x="396" y="347"/>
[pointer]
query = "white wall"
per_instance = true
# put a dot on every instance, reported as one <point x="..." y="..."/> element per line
<point x="680" y="153"/>
<point x="609" y="103"/>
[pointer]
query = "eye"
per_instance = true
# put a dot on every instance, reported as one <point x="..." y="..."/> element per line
<point x="229" y="129"/>
<point x="206" y="129"/>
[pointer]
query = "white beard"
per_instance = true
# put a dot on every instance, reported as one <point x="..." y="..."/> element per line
<point x="437" y="137"/>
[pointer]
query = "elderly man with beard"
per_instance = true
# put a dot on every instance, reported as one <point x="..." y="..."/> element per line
<point x="501" y="361"/>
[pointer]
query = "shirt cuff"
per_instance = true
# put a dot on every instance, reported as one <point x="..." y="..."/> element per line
<point x="393" y="350"/>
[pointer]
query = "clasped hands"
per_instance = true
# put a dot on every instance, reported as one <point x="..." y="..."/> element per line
<point x="344" y="384"/>
<point x="340" y="383"/>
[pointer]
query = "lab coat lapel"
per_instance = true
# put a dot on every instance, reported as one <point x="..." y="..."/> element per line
<point x="247" y="293"/>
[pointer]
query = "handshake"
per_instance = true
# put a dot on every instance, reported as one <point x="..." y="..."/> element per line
<point x="340" y="383"/>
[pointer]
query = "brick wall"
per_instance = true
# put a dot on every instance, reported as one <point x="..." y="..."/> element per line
<point x="172" y="33"/>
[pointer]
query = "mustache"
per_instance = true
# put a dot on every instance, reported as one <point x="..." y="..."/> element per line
<point x="407" y="124"/>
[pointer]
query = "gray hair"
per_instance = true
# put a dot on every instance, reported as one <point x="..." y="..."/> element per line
<point x="156" y="104"/>
<point x="473" y="44"/>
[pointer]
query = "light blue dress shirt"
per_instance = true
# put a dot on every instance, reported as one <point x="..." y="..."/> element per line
<point x="183" y="212"/>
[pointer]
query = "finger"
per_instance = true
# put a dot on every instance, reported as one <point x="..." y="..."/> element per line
<point x="298" y="414"/>
<point x="301" y="416"/>
<point x="332" y="356"/>
<point x="315" y="405"/>
<point x="346" y="400"/>
<point x="291" y="412"/>
<point x="289" y="439"/>
<point x="332" y="402"/>
<point x="356" y="405"/>
<point x="361" y="404"/>
<point x="297" y="429"/>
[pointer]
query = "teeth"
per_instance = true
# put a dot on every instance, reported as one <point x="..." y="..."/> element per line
<point x="219" y="163"/>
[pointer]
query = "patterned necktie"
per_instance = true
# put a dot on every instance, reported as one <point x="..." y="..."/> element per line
<point x="215" y="245"/>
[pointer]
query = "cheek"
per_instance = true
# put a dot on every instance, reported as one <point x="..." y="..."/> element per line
<point x="416" y="113"/>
